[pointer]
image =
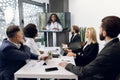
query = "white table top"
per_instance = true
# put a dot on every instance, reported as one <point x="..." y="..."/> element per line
<point x="35" y="69"/>
<point x="46" y="49"/>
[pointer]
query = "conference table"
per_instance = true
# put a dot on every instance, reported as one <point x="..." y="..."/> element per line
<point x="36" y="69"/>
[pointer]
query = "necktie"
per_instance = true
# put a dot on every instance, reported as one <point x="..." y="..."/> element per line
<point x="72" y="38"/>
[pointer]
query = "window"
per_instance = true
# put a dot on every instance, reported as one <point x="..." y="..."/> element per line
<point x="9" y="13"/>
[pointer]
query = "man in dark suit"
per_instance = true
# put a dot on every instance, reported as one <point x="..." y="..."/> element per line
<point x="13" y="53"/>
<point x="106" y="66"/>
<point x="75" y="34"/>
<point x="75" y="40"/>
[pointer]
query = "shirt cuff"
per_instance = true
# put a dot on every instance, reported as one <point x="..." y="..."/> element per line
<point x="79" y="53"/>
<point x="38" y="57"/>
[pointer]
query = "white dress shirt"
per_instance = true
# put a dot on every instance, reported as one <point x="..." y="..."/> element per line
<point x="32" y="45"/>
<point x="74" y="36"/>
<point x="17" y="45"/>
<point x="54" y="25"/>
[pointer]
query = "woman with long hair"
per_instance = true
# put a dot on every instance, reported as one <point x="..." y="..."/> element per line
<point x="53" y="23"/>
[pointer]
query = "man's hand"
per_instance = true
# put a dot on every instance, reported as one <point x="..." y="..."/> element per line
<point x="64" y="46"/>
<point x="67" y="50"/>
<point x="63" y="64"/>
<point x="41" y="52"/>
<point x="71" y="54"/>
<point x="22" y="41"/>
<point x="44" y="57"/>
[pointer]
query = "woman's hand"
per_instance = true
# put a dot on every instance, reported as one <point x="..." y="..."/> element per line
<point x="55" y="28"/>
<point x="44" y="28"/>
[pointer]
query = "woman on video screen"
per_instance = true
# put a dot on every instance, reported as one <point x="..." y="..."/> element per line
<point x="53" y="23"/>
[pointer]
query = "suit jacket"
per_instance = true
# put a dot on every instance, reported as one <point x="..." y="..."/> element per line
<point x="12" y="59"/>
<point x="106" y="66"/>
<point x="86" y="55"/>
<point x="75" y="38"/>
<point x="75" y="42"/>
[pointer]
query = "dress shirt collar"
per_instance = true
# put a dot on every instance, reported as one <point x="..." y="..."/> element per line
<point x="109" y="41"/>
<point x="86" y="44"/>
<point x="18" y="45"/>
<point x="75" y="34"/>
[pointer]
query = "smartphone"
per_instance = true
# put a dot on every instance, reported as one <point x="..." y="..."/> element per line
<point x="51" y="69"/>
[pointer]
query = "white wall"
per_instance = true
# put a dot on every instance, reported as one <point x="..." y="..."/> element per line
<point x="89" y="13"/>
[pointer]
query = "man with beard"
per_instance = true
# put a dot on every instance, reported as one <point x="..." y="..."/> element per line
<point x="75" y="40"/>
<point x="75" y="34"/>
<point x="106" y="66"/>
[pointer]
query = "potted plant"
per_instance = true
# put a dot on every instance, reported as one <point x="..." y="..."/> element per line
<point x="82" y="35"/>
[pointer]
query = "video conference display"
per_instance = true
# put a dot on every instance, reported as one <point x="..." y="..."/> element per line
<point x="54" y="21"/>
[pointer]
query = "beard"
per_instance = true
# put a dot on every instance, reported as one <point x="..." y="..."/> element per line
<point x="102" y="37"/>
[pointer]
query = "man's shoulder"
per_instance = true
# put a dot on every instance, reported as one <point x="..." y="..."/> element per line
<point x="6" y="45"/>
<point x="116" y="46"/>
<point x="112" y="50"/>
<point x="78" y="35"/>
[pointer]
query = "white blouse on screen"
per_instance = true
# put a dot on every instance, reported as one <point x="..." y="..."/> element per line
<point x="54" y="25"/>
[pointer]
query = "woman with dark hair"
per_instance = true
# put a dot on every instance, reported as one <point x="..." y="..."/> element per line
<point x="53" y="23"/>
<point x="30" y="32"/>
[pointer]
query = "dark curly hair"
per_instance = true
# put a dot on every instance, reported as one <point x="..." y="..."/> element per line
<point x="30" y="30"/>
<point x="50" y="20"/>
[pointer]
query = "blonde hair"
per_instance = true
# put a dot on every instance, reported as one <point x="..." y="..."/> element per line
<point x="92" y="35"/>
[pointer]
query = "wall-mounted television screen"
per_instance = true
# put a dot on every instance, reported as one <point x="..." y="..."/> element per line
<point x="54" y="21"/>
